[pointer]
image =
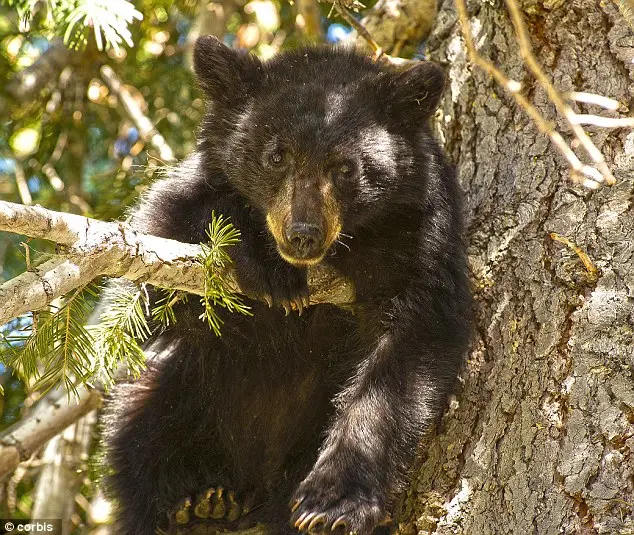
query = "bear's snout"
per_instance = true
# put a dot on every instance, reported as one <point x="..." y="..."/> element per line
<point x="304" y="240"/>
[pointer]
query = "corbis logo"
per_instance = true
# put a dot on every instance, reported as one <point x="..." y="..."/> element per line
<point x="11" y="526"/>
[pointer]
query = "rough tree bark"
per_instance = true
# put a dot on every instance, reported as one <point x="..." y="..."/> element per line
<point x="540" y="438"/>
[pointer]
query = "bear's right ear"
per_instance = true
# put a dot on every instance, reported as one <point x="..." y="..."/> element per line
<point x="226" y="75"/>
<point x="414" y="94"/>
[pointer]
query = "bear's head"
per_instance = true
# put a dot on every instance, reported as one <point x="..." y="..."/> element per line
<point x="320" y="141"/>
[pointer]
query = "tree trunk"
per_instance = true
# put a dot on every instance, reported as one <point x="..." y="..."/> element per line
<point x="540" y="438"/>
<point x="64" y="459"/>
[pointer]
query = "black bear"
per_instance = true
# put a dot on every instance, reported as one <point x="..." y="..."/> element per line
<point x="300" y="421"/>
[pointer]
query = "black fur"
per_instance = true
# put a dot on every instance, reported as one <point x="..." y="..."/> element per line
<point x="323" y="410"/>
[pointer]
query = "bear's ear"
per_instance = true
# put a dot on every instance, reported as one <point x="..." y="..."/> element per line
<point x="415" y="93"/>
<point x="226" y="75"/>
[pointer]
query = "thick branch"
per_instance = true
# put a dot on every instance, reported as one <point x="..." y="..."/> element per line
<point x="94" y="248"/>
<point x="64" y="463"/>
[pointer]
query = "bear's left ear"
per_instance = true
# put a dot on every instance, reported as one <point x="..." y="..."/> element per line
<point x="415" y="93"/>
<point x="225" y="74"/>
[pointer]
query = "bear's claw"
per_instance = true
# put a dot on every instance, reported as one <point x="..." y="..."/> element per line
<point x="340" y="522"/>
<point x="214" y="506"/>
<point x="182" y="514"/>
<point x="343" y="511"/>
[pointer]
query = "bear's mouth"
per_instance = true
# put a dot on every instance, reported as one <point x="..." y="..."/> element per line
<point x="300" y="261"/>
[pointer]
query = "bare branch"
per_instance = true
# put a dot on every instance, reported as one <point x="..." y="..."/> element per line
<point x="591" y="98"/>
<point x="36" y="289"/>
<point x="603" y="122"/>
<point x="48" y="418"/>
<point x="531" y="61"/>
<point x="23" y="187"/>
<point x="359" y="28"/>
<point x="593" y="272"/>
<point x="396" y="23"/>
<point x="95" y="248"/>
<point x="147" y="130"/>
<point x="63" y="468"/>
<point x="594" y="176"/>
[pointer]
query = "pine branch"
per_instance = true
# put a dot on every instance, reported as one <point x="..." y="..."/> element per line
<point x="57" y="348"/>
<point x="92" y="248"/>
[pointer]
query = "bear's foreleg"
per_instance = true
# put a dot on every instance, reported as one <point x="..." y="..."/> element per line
<point x="397" y="393"/>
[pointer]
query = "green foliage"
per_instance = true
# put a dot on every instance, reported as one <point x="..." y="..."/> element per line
<point x="109" y="19"/>
<point x="117" y="337"/>
<point x="57" y="348"/>
<point x="215" y="260"/>
<point x="163" y="311"/>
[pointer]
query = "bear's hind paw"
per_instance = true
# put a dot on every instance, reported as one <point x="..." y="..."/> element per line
<point x="215" y="507"/>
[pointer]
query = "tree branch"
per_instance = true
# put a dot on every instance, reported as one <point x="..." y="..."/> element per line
<point x="94" y="248"/>
<point x="48" y="418"/>
<point x="591" y="176"/>
<point x="394" y="23"/>
<point x="147" y="130"/>
<point x="533" y="65"/>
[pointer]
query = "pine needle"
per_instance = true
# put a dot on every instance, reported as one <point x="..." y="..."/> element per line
<point x="56" y="348"/>
<point x="163" y="311"/>
<point x="122" y="328"/>
<point x="215" y="261"/>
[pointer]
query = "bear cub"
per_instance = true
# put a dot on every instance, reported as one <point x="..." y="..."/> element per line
<point x="299" y="417"/>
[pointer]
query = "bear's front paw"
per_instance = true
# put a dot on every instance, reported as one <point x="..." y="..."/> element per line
<point x="278" y="284"/>
<point x="327" y="502"/>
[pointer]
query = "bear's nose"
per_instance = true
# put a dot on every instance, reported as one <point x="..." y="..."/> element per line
<point x="305" y="238"/>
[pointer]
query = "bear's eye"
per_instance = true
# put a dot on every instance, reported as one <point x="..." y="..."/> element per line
<point x="346" y="169"/>
<point x="277" y="157"/>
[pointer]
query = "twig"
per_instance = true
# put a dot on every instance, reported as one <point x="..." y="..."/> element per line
<point x="23" y="187"/>
<point x="147" y="130"/>
<point x="97" y="248"/>
<point x="594" y="176"/>
<point x="360" y="28"/>
<point x="49" y="167"/>
<point x="563" y="108"/>
<point x="593" y="272"/>
<point x="591" y="98"/>
<point x="604" y="122"/>
<point x="396" y="23"/>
